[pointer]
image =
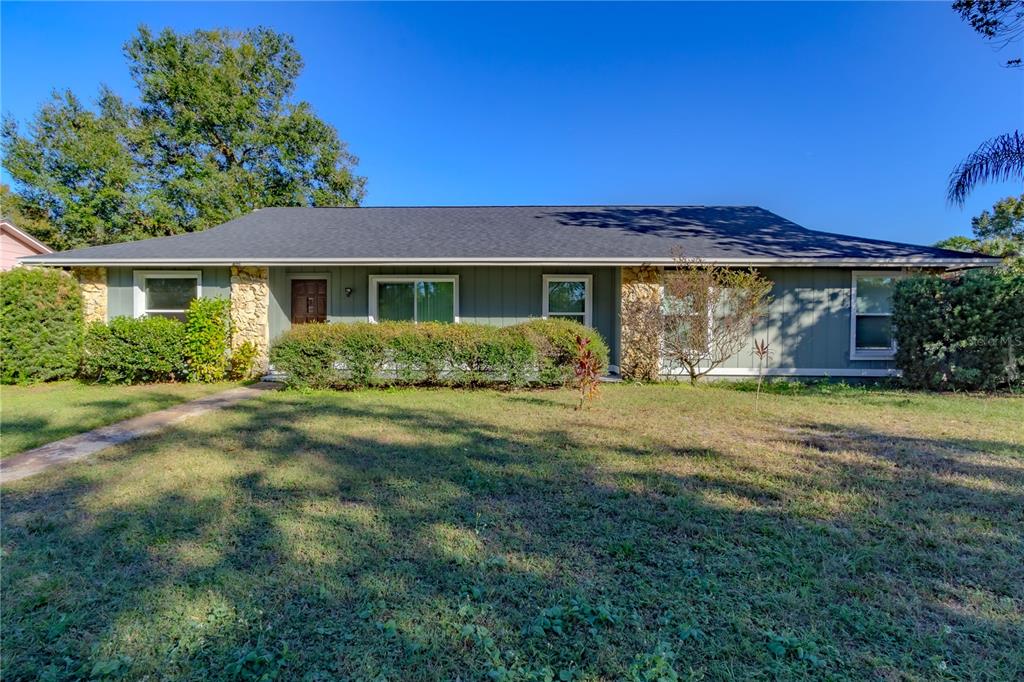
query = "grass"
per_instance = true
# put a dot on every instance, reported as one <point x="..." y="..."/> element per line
<point x="34" y="415"/>
<point x="439" y="534"/>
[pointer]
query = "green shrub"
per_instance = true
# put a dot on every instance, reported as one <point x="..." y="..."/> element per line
<point x="134" y="351"/>
<point x="311" y="354"/>
<point x="555" y="342"/>
<point x="360" y="354"/>
<point x="42" y="326"/>
<point x="243" y="361"/>
<point x="463" y="354"/>
<point x="154" y="349"/>
<point x="963" y="332"/>
<point x="207" y="339"/>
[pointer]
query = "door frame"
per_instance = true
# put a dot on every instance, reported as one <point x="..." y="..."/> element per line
<point x="326" y="276"/>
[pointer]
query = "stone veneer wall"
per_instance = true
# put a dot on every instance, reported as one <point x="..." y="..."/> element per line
<point x="640" y="355"/>
<point x="93" y="283"/>
<point x="250" y="305"/>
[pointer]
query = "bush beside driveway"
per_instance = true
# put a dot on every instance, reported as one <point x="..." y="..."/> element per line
<point x="430" y="534"/>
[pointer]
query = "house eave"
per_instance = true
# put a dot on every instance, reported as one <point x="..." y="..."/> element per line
<point x="922" y="261"/>
<point x="23" y="236"/>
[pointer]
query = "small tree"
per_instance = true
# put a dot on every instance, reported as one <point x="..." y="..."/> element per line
<point x="710" y="312"/>
<point x="763" y="352"/>
<point x="587" y="367"/>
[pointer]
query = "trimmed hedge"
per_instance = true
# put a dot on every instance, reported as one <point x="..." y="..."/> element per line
<point x="362" y="354"/>
<point x="42" y="325"/>
<point x="157" y="349"/>
<point x="135" y="350"/>
<point x="961" y="333"/>
<point x="555" y="342"/>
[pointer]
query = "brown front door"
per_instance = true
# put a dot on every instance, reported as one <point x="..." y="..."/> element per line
<point x="309" y="300"/>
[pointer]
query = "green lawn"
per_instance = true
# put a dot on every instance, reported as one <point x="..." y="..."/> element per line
<point x="34" y="415"/>
<point x="440" y="534"/>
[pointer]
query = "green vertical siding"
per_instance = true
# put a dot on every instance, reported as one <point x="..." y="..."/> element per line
<point x="216" y="283"/>
<point x="808" y="325"/>
<point x="808" y="322"/>
<point x="487" y="295"/>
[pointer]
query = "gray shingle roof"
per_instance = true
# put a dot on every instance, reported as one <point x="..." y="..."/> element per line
<point x="465" y="234"/>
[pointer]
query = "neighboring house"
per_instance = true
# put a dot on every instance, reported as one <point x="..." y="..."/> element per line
<point x="15" y="244"/>
<point x="502" y="265"/>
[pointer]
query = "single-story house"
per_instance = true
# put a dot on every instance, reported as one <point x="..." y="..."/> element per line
<point x="15" y="243"/>
<point x="505" y="264"/>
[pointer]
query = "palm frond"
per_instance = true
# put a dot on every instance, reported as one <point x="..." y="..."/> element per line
<point x="998" y="159"/>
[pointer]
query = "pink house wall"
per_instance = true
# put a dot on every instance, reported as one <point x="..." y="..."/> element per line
<point x="13" y="246"/>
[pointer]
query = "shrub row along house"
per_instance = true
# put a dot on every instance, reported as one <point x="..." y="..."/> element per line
<point x="830" y="314"/>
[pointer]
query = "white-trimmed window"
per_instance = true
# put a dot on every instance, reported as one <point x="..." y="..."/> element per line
<point x="414" y="298"/>
<point x="682" y="320"/>
<point x="871" y="332"/>
<point x="166" y="293"/>
<point x="568" y="297"/>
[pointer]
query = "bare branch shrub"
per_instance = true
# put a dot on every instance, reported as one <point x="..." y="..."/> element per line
<point x="710" y="312"/>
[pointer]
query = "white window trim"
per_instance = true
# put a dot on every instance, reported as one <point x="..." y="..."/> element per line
<point x="868" y="354"/>
<point x="661" y="344"/>
<point x="140" y="277"/>
<point x="377" y="279"/>
<point x="588" y="281"/>
<point x="326" y="276"/>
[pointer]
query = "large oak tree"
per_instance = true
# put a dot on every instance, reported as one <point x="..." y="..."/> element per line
<point x="214" y="132"/>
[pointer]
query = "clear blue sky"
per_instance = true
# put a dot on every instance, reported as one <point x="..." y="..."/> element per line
<point x="842" y="117"/>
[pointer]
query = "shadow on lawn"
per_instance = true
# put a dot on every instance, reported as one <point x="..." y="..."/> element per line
<point x="25" y="432"/>
<point x="928" y="461"/>
<point x="405" y="556"/>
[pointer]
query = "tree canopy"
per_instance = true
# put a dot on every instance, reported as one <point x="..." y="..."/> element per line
<point x="997" y="20"/>
<point x="213" y="133"/>
<point x="1006" y="220"/>
<point x="999" y="232"/>
<point x="12" y="208"/>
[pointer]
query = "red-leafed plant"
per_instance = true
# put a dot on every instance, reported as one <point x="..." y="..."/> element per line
<point x="588" y="372"/>
<point x="763" y="352"/>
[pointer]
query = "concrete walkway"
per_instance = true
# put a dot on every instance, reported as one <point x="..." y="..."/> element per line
<point x="81" y="446"/>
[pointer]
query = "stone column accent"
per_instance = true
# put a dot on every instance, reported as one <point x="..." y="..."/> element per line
<point x="641" y="293"/>
<point x="250" y="308"/>
<point x="93" y="283"/>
